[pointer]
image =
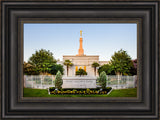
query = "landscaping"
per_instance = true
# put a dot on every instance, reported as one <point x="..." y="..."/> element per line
<point x="42" y="71"/>
<point x="29" y="92"/>
<point x="79" y="91"/>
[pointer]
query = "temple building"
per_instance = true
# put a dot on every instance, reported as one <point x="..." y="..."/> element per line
<point x="82" y="61"/>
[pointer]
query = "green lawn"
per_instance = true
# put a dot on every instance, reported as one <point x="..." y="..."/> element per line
<point x="131" y="92"/>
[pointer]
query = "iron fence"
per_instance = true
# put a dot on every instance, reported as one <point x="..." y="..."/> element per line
<point x="46" y="81"/>
<point x="39" y="81"/>
<point x="120" y="82"/>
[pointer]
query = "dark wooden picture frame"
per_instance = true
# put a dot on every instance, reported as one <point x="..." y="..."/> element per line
<point x="15" y="13"/>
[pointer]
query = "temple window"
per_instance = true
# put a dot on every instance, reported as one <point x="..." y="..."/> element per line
<point x="76" y="68"/>
<point x="85" y="68"/>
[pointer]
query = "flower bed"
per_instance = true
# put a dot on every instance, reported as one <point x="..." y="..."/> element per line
<point x="80" y="91"/>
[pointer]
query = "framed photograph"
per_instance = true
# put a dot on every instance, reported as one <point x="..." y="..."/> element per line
<point x="47" y="65"/>
<point x="80" y="60"/>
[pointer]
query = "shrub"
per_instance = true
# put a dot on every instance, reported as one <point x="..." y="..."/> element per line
<point x="80" y="91"/>
<point x="81" y="72"/>
<point x="96" y="92"/>
<point x="58" y="80"/>
<point x="107" y="68"/>
<point x="55" y="68"/>
<point x="102" y="80"/>
<point x="87" y="91"/>
<point x="51" y="89"/>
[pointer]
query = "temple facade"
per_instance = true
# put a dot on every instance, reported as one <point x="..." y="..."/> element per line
<point x="82" y="61"/>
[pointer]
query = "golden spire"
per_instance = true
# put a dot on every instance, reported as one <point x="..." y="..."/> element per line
<point x="81" y="33"/>
<point x="80" y="50"/>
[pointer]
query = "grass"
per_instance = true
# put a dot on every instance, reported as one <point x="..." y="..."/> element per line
<point x="131" y="92"/>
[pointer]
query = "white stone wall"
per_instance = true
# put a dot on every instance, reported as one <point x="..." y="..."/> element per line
<point x="79" y="82"/>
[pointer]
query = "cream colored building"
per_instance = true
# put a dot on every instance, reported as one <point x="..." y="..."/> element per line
<point x="82" y="61"/>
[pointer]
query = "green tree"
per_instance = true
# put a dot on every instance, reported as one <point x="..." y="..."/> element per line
<point x="102" y="80"/>
<point x="68" y="64"/>
<point x="58" y="80"/>
<point x="107" y="68"/>
<point x="29" y="69"/>
<point x="81" y="72"/>
<point x="42" y="60"/>
<point x="95" y="65"/>
<point x="133" y="70"/>
<point x="121" y="63"/>
<point x="55" y="68"/>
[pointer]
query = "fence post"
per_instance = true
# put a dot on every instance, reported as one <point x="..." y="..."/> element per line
<point x="41" y="81"/>
<point x="134" y="81"/>
<point x="24" y="81"/>
<point x="118" y="81"/>
<point x="127" y="81"/>
<point x="32" y="81"/>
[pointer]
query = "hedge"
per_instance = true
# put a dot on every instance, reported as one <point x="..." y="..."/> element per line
<point x="80" y="91"/>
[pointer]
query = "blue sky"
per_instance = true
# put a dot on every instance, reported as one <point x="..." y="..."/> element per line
<point x="63" y="39"/>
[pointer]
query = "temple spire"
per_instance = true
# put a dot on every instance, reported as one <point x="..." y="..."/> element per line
<point x="80" y="50"/>
<point x="81" y="33"/>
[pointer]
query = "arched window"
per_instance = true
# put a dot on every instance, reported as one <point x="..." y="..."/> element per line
<point x="85" y="68"/>
<point x="76" y="68"/>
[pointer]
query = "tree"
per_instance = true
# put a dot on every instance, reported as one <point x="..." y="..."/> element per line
<point x="30" y="69"/>
<point x="81" y="72"/>
<point x="102" y="80"/>
<point x="121" y="62"/>
<point x="58" y="80"/>
<point x="42" y="60"/>
<point x="55" y="68"/>
<point x="95" y="65"/>
<point x="133" y="70"/>
<point x="107" y="68"/>
<point x="68" y="64"/>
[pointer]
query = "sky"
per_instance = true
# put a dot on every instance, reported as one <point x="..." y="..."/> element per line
<point x="63" y="39"/>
